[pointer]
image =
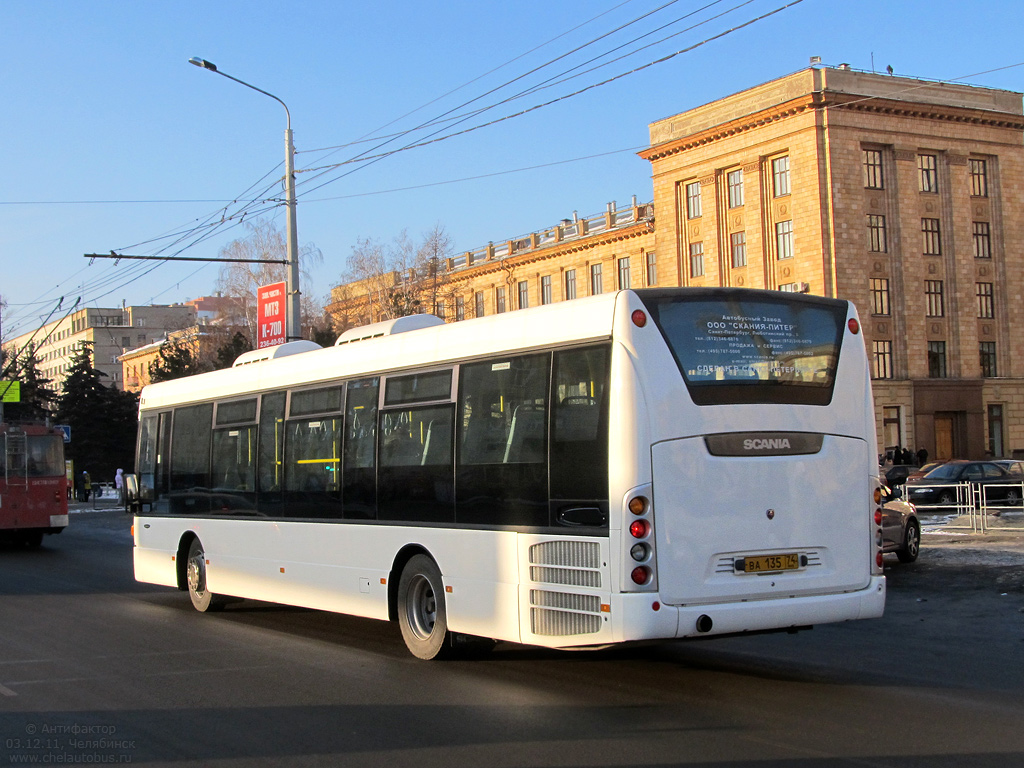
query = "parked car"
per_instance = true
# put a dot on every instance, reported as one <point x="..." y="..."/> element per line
<point x="924" y="469"/>
<point x="939" y="486"/>
<point x="1012" y="466"/>
<point x="901" y="530"/>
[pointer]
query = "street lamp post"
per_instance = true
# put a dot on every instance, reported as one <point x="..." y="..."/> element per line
<point x="293" y="327"/>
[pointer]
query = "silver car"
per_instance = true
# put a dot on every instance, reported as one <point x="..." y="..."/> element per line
<point x="901" y="530"/>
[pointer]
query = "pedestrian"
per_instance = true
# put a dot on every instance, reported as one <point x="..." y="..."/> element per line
<point x="922" y="457"/>
<point x="86" y="485"/>
<point x="79" y="487"/>
<point x="908" y="456"/>
<point x="119" y="485"/>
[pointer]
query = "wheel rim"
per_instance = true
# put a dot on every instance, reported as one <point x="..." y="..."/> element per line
<point x="422" y="607"/>
<point x="913" y="541"/>
<point x="197" y="574"/>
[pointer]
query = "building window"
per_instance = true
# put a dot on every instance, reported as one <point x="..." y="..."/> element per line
<point x="987" y="356"/>
<point x="933" y="294"/>
<point x="545" y="289"/>
<point x="780" y="176"/>
<point x="460" y="308"/>
<point x="696" y="259"/>
<point x="876" y="233"/>
<point x="892" y="426"/>
<point x="784" y="240"/>
<point x="693" y="200"/>
<point x="979" y="177"/>
<point x="735" y="183"/>
<point x="570" y="284"/>
<point x="596" y="280"/>
<point x="738" y="247"/>
<point x="931" y="237"/>
<point x="880" y="296"/>
<point x="499" y="300"/>
<point x="982" y="236"/>
<point x="996" y="446"/>
<point x="882" y="360"/>
<point x="624" y="273"/>
<point x="478" y="301"/>
<point x="986" y="301"/>
<point x="873" y="169"/>
<point x="439" y="309"/>
<point x="652" y="268"/>
<point x="927" y="173"/>
<point x="937" y="359"/>
<point x="524" y="294"/>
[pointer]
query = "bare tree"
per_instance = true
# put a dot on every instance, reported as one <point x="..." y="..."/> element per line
<point x="388" y="280"/>
<point x="240" y="280"/>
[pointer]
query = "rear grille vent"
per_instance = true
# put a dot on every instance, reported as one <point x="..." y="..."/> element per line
<point x="562" y="613"/>
<point x="572" y="554"/>
<point x="571" y="577"/>
<point x="574" y="563"/>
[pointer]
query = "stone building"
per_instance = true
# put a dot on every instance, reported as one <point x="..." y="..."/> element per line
<point x="577" y="257"/>
<point x="110" y="331"/>
<point x="901" y="195"/>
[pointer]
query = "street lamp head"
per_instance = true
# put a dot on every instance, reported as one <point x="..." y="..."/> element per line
<point x="203" y="63"/>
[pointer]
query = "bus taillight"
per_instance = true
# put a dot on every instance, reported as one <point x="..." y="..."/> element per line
<point x="854" y="326"/>
<point x="639" y="318"/>
<point x="641" y="575"/>
<point x="638" y="529"/>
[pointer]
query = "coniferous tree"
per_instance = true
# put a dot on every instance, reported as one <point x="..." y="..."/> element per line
<point x="175" y="360"/>
<point x="103" y="420"/>
<point x="37" y="396"/>
<point x="228" y="352"/>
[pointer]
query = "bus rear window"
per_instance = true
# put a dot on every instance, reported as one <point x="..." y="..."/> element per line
<point x="752" y="346"/>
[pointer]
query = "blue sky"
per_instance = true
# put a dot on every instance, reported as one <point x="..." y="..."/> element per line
<point x="110" y="139"/>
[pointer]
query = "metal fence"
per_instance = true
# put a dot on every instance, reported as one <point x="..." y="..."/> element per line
<point x="976" y="505"/>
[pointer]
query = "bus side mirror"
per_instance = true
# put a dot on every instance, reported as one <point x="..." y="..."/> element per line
<point x="131" y="493"/>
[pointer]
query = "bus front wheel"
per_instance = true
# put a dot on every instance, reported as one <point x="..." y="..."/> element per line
<point x="195" y="575"/>
<point x="421" y="609"/>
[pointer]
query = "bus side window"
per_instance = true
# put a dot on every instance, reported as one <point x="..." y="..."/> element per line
<point x="190" y="459"/>
<point x="501" y="475"/>
<point x="359" y="457"/>
<point x="579" y="440"/>
<point x="270" y="474"/>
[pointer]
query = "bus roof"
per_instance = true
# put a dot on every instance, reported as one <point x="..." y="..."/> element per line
<point x="580" y="320"/>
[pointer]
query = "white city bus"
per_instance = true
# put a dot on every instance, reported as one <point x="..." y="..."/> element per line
<point x="642" y="465"/>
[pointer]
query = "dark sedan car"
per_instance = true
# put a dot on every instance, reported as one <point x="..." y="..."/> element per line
<point x="939" y="487"/>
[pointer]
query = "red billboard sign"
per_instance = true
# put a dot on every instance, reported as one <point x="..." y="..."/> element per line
<point x="270" y="313"/>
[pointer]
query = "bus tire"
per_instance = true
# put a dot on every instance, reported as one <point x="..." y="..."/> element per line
<point x="421" y="609"/>
<point x="195" y="576"/>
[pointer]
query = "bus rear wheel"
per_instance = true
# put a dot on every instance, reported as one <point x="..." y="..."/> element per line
<point x="203" y="600"/>
<point x="421" y="609"/>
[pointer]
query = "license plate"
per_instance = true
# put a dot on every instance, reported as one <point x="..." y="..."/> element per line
<point x="789" y="561"/>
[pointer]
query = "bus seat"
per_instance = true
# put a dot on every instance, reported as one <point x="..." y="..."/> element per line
<point x="526" y="436"/>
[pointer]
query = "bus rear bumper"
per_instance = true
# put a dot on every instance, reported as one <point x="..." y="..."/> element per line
<point x="644" y="617"/>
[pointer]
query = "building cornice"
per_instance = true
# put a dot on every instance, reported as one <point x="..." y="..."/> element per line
<point x="638" y="229"/>
<point x="821" y="100"/>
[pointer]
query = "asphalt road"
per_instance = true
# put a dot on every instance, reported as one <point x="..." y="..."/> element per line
<point x="97" y="669"/>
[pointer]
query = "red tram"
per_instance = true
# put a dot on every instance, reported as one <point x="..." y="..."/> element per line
<point x="33" y="483"/>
